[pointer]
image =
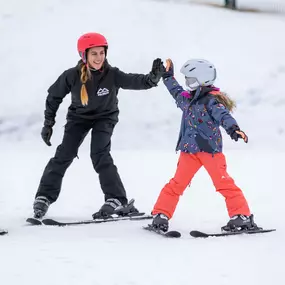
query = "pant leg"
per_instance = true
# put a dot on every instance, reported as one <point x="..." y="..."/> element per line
<point x="51" y="181"/>
<point x="103" y="163"/>
<point x="188" y="165"/>
<point x="217" y="168"/>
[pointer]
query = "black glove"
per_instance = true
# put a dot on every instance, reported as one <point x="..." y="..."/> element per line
<point x="47" y="131"/>
<point x="235" y="133"/>
<point x="157" y="70"/>
<point x="170" y="71"/>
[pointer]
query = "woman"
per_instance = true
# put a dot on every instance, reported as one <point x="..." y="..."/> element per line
<point x="94" y="86"/>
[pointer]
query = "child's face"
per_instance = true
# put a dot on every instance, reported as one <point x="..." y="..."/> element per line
<point x="96" y="57"/>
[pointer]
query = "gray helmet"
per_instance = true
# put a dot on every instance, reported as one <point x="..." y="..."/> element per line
<point x="198" y="72"/>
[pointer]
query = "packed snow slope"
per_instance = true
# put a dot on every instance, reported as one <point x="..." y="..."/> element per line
<point x="123" y="253"/>
<point x="38" y="43"/>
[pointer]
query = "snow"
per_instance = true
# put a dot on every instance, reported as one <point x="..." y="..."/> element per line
<point x="38" y="42"/>
<point x="122" y="253"/>
<point x="248" y="50"/>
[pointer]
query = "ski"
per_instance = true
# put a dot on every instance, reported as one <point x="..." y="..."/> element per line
<point x="34" y="221"/>
<point x="141" y="216"/>
<point x="169" y="234"/>
<point x="2" y="232"/>
<point x="198" y="234"/>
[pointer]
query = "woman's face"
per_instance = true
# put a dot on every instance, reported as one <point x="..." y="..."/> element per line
<point x="96" y="57"/>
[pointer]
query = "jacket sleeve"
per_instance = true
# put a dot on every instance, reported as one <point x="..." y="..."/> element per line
<point x="221" y="114"/>
<point x="176" y="91"/>
<point x="133" y="81"/>
<point x="56" y="92"/>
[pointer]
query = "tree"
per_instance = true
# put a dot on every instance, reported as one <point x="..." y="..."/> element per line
<point x="231" y="4"/>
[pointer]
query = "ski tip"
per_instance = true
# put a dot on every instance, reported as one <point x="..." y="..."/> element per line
<point x="33" y="221"/>
<point x="173" y="234"/>
<point x="198" y="234"/>
<point x="169" y="234"/>
<point x="51" y="222"/>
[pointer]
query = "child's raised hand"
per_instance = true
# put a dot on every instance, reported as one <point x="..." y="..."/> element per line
<point x="168" y="64"/>
<point x="169" y="69"/>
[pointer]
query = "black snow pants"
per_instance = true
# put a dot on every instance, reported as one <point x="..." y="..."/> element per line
<point x="74" y="134"/>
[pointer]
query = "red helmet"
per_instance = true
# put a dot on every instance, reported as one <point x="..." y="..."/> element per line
<point x="89" y="40"/>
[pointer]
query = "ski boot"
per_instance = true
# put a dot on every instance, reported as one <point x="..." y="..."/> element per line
<point x="41" y="206"/>
<point x="113" y="206"/>
<point x="160" y="221"/>
<point x="240" y="223"/>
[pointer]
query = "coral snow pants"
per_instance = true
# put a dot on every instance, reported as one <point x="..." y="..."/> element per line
<point x="187" y="167"/>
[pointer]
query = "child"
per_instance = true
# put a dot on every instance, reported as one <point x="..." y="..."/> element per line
<point x="204" y="108"/>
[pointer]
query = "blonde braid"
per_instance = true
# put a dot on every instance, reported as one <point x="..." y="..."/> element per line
<point x="85" y="75"/>
<point x="224" y="99"/>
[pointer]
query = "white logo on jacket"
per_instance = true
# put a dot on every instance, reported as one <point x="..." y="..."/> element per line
<point x="103" y="92"/>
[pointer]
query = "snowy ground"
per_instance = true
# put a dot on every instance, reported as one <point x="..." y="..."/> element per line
<point x="122" y="253"/>
<point x="39" y="42"/>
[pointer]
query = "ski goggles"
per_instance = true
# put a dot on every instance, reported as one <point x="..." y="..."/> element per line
<point x="192" y="83"/>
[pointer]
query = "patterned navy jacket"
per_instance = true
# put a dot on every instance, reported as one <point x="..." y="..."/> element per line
<point x="202" y="116"/>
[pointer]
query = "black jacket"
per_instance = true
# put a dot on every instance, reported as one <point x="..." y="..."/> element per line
<point x="102" y="92"/>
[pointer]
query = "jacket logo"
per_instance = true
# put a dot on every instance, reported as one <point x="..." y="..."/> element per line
<point x="103" y="92"/>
